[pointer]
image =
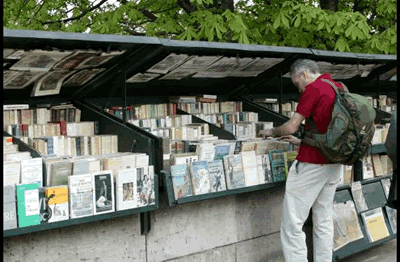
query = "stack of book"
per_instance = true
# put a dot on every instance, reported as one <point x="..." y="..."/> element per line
<point x="383" y="102"/>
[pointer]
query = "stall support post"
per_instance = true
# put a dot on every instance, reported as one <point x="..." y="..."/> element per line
<point x="358" y="171"/>
<point x="145" y="224"/>
<point x="122" y="76"/>
<point x="379" y="91"/>
<point x="280" y="92"/>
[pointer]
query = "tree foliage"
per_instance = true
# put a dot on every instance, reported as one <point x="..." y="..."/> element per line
<point x="367" y="26"/>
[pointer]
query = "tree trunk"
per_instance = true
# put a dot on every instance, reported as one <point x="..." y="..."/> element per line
<point x="331" y="5"/>
<point x="228" y="4"/>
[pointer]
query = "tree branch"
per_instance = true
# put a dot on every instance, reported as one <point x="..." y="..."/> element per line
<point x="36" y="12"/>
<point x="187" y="6"/>
<point x="76" y="17"/>
<point x="148" y="14"/>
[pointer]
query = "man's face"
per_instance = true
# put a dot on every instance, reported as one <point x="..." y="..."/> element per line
<point x="301" y="80"/>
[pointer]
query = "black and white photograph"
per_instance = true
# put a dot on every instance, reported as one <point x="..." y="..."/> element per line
<point x="145" y="187"/>
<point x="127" y="191"/>
<point x="50" y="84"/>
<point x="103" y="192"/>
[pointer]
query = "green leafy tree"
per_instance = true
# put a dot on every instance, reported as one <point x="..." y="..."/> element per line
<point x="367" y="26"/>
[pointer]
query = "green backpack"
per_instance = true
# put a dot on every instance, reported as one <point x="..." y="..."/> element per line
<point x="349" y="132"/>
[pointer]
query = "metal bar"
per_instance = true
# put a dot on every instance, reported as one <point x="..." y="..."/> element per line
<point x="124" y="93"/>
<point x="358" y="172"/>
<point x="379" y="90"/>
<point x="145" y="224"/>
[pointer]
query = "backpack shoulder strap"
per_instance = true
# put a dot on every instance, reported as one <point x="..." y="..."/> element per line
<point x="332" y="84"/>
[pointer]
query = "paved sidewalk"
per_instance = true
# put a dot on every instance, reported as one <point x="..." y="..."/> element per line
<point x="385" y="252"/>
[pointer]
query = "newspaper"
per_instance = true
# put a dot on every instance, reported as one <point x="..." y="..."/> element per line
<point x="38" y="60"/>
<point x="82" y="77"/>
<point x="74" y="60"/>
<point x="258" y="66"/>
<point x="359" y="200"/>
<point x="21" y="79"/>
<point x="168" y="63"/>
<point x="50" y="83"/>
<point x="142" y="77"/>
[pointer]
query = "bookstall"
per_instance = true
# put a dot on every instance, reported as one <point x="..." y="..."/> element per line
<point x="128" y="71"/>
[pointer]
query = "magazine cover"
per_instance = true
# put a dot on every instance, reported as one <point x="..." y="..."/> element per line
<point x="103" y="192"/>
<point x="217" y="175"/>
<point x="145" y="186"/>
<point x="181" y="181"/>
<point x="200" y="178"/>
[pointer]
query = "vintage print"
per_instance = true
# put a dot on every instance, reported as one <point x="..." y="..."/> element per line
<point x="142" y="77"/>
<point x="168" y="63"/>
<point x="72" y="61"/>
<point x="50" y="84"/>
<point x="82" y="77"/>
<point x="38" y="60"/>
<point x="103" y="192"/>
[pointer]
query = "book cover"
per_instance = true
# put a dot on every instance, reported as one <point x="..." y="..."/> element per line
<point x="59" y="173"/>
<point x="392" y="217"/>
<point x="277" y="160"/>
<point x="221" y="151"/>
<point x="250" y="170"/>
<point x="11" y="172"/>
<point x="340" y="236"/>
<point x="80" y="195"/>
<point x="28" y="205"/>
<point x="386" y="186"/>
<point x="290" y="157"/>
<point x="206" y="152"/>
<point x="378" y="171"/>
<point x="126" y="188"/>
<point x="200" y="177"/>
<point x="368" y="170"/>
<point x="103" y="189"/>
<point x="234" y="171"/>
<point x="217" y="175"/>
<point x="9" y="215"/>
<point x="32" y="171"/>
<point x="181" y="181"/>
<point x="384" y="163"/>
<point x="358" y="196"/>
<point x="351" y="219"/>
<point x="375" y="224"/>
<point x="58" y="205"/>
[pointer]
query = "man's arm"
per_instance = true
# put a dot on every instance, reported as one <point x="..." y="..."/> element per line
<point x="288" y="128"/>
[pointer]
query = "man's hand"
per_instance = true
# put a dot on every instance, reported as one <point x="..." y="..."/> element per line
<point x="291" y="139"/>
<point x="265" y="133"/>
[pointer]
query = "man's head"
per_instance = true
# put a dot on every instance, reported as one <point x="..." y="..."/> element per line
<point x="304" y="72"/>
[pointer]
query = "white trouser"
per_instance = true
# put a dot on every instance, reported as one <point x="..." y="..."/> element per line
<point x="309" y="185"/>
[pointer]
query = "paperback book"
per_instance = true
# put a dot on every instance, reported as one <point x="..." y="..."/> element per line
<point x="54" y="204"/>
<point x="386" y="186"/>
<point x="217" y="175"/>
<point x="103" y="187"/>
<point x="28" y="205"/>
<point x="126" y="188"/>
<point x="277" y="160"/>
<point x="250" y="170"/>
<point x="375" y="224"/>
<point x="181" y="181"/>
<point x="81" y="195"/>
<point x="358" y="196"/>
<point x="9" y="207"/>
<point x="234" y="171"/>
<point x="200" y="178"/>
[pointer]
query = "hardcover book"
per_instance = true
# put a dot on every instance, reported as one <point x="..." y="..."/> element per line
<point x="126" y="188"/>
<point x="200" y="178"/>
<point x="250" y="170"/>
<point x="181" y="181"/>
<point x="234" y="171"/>
<point x="375" y="224"/>
<point x="103" y="189"/>
<point x="80" y="195"/>
<point x="28" y="205"/>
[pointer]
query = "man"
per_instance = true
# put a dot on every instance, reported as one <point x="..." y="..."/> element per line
<point x="312" y="180"/>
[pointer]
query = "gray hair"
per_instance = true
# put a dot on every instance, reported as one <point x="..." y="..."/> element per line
<point x="302" y="65"/>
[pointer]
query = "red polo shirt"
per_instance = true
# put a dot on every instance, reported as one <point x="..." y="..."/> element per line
<point x="317" y="100"/>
